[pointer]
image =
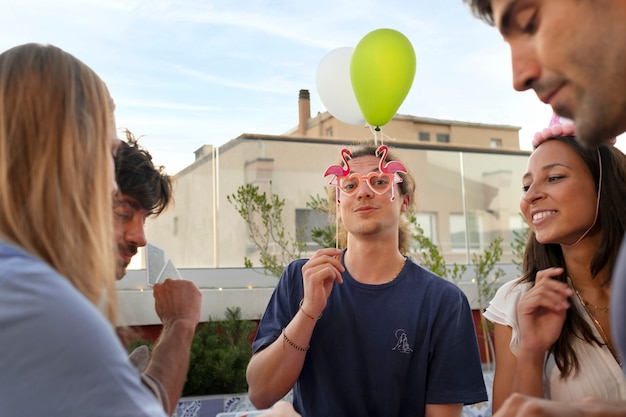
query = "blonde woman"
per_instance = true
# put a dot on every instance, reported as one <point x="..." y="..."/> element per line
<point x="59" y="354"/>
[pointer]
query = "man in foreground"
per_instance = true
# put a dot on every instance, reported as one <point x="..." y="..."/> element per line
<point x="571" y="53"/>
<point x="144" y="191"/>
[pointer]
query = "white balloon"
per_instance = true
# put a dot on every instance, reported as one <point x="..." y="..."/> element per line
<point x="334" y="86"/>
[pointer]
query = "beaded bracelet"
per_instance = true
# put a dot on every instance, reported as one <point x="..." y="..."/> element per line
<point x="307" y="314"/>
<point x="293" y="345"/>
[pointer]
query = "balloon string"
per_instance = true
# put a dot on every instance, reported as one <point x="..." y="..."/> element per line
<point x="383" y="135"/>
<point x="376" y="132"/>
<point x="337" y="227"/>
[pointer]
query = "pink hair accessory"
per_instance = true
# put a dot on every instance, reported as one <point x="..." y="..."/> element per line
<point x="557" y="128"/>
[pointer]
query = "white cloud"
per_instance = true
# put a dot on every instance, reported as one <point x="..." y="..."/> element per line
<point x="191" y="72"/>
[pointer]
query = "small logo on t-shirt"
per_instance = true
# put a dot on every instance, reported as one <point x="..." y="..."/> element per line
<point x="402" y="345"/>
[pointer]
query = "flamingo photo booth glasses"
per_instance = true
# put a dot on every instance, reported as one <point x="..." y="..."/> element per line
<point x="379" y="182"/>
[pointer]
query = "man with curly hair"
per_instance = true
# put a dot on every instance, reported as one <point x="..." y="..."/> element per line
<point x="146" y="190"/>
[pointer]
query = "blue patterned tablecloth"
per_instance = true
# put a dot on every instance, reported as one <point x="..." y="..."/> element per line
<point x="236" y="405"/>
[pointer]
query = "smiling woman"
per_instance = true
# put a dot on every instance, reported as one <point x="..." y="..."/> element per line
<point x="571" y="200"/>
<point x="559" y="183"/>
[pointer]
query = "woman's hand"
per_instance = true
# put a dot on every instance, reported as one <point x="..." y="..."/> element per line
<point x="542" y="311"/>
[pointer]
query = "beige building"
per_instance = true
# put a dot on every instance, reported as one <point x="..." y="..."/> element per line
<point x="407" y="129"/>
<point x="468" y="184"/>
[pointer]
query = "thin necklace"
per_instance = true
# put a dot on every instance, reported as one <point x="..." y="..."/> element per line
<point x="603" y="334"/>
<point x="586" y="303"/>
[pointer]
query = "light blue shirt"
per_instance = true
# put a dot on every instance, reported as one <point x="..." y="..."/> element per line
<point x="59" y="356"/>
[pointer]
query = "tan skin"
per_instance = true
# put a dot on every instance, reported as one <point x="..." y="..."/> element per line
<point x="372" y="223"/>
<point x="571" y="53"/>
<point x="176" y="302"/>
<point x="558" y="49"/>
<point x="129" y="223"/>
<point x="518" y="405"/>
<point x="281" y="409"/>
<point x="559" y="203"/>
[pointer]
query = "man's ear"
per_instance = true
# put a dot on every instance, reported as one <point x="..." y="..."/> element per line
<point x="406" y="203"/>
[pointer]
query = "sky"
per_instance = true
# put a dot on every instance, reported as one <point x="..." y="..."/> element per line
<point x="185" y="73"/>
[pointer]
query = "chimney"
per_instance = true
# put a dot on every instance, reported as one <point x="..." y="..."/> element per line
<point x="304" y="110"/>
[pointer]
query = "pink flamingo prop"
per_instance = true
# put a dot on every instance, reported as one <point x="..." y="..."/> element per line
<point x="339" y="171"/>
<point x="391" y="167"/>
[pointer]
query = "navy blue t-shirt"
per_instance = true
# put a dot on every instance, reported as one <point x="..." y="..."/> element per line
<point x="381" y="350"/>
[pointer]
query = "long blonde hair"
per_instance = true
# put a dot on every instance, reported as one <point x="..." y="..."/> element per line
<point x="56" y="125"/>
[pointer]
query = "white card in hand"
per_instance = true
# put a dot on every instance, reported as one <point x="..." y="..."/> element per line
<point x="157" y="267"/>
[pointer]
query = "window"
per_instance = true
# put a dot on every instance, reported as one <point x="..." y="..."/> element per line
<point x="495" y="143"/>
<point x="518" y="228"/>
<point x="428" y="223"/>
<point x="329" y="132"/>
<point x="306" y="221"/>
<point x="443" y="138"/>
<point x="424" y="136"/>
<point x="459" y="225"/>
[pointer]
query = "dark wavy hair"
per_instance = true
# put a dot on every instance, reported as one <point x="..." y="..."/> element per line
<point x="481" y="9"/>
<point x="138" y="177"/>
<point x="612" y="221"/>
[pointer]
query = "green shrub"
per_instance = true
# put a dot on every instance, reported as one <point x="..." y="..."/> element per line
<point x="220" y="353"/>
<point x="518" y="244"/>
<point x="428" y="254"/>
<point x="135" y="343"/>
<point x="263" y="215"/>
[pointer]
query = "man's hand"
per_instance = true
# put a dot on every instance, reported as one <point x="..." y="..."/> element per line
<point x="178" y="304"/>
<point x="177" y="299"/>
<point x="281" y="409"/>
<point x="518" y="405"/>
<point x="319" y="274"/>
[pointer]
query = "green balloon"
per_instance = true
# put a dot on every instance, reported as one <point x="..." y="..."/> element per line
<point x="382" y="70"/>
